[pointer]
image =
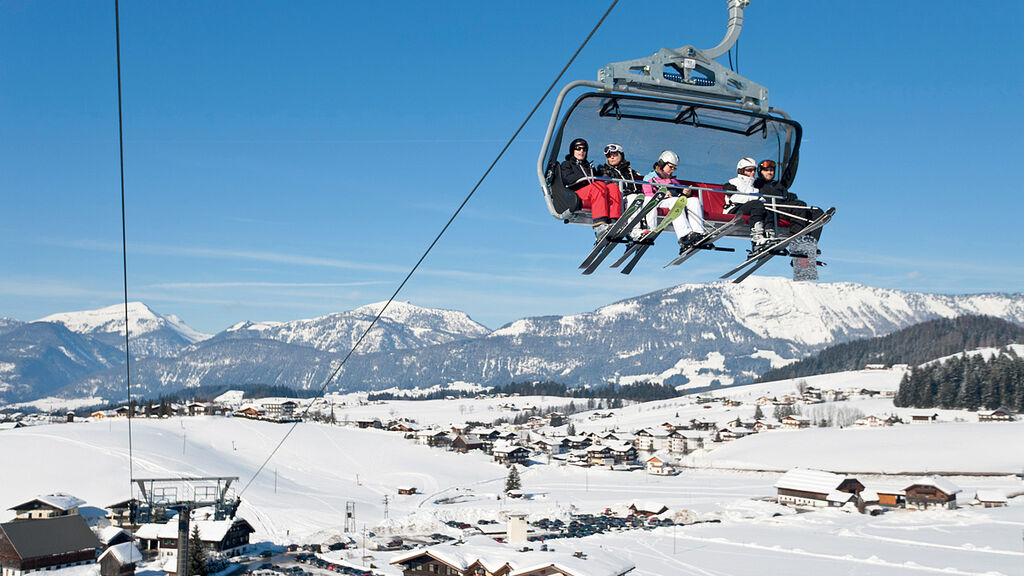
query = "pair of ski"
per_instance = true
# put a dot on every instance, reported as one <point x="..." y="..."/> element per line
<point x="618" y="233"/>
<point x="637" y="248"/>
<point x="761" y="257"/>
<point x="706" y="242"/>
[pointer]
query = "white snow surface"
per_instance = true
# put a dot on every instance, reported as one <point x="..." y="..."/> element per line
<point x="141" y="319"/>
<point x="302" y="493"/>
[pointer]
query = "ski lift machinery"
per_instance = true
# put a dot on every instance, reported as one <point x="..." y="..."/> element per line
<point x="677" y="99"/>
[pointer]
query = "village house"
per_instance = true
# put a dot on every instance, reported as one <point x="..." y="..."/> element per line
<point x="509" y="454"/>
<point x="119" y="560"/>
<point x="465" y="442"/>
<point x="367" y="423"/>
<point x="112" y="536"/>
<point x="600" y="455"/>
<point x="226" y="537"/>
<point x="578" y="442"/>
<point x="730" y="434"/>
<point x="483" y="556"/>
<point x="931" y="491"/>
<point x="652" y="439"/>
<point x="764" y="401"/>
<point x="659" y="467"/>
<point x="550" y="445"/>
<point x="407" y="490"/>
<point x="991" y="498"/>
<point x="923" y="418"/>
<point x="795" y="422"/>
<point x="119" y="513"/>
<point x="804" y="487"/>
<point x="250" y="411"/>
<point x="680" y="443"/>
<point x="46" y="544"/>
<point x="48" y="506"/>
<point x="873" y="421"/>
<point x="886" y="496"/>
<point x="997" y="415"/>
<point x="433" y="438"/>
<point x="278" y="408"/>
<point x="761" y="426"/>
<point x="622" y="452"/>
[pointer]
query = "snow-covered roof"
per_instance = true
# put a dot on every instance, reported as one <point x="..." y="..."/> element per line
<point x="493" y="556"/>
<point x="109" y="533"/>
<point x="991" y="496"/>
<point x="937" y="482"/>
<point x="60" y="501"/>
<point x="124" y="553"/>
<point x="810" y="480"/>
<point x="837" y="496"/>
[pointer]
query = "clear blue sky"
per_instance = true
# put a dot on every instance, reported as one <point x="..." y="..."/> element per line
<point x="287" y="160"/>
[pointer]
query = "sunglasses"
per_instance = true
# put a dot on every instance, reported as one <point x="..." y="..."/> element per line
<point x="579" y="148"/>
<point x="748" y="169"/>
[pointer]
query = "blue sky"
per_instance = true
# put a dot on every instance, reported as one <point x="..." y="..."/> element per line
<point x="287" y="160"/>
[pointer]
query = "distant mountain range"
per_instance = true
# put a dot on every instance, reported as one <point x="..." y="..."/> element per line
<point x="687" y="336"/>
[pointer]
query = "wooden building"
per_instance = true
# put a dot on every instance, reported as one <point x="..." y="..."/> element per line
<point x="227" y="537"/>
<point x="932" y="492"/>
<point x="508" y="454"/>
<point x="804" y="487"/>
<point x="46" y="544"/>
<point x="466" y="442"/>
<point x="48" y="506"/>
<point x="119" y="560"/>
<point x="997" y="415"/>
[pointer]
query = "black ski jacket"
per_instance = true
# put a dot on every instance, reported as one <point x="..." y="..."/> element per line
<point x="576" y="173"/>
<point x="623" y="172"/>
<point x="773" y="188"/>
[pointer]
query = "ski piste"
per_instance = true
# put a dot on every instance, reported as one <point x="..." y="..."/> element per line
<point x="609" y="241"/>
<point x="761" y="257"/>
<point x="613" y="230"/>
<point x="646" y="242"/>
<point x="703" y="242"/>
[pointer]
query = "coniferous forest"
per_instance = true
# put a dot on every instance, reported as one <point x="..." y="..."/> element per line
<point x="969" y="382"/>
<point x="913" y="345"/>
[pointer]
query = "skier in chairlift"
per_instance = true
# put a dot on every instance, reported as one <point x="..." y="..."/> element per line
<point x="743" y="198"/>
<point x="602" y="198"/>
<point x="630" y="181"/>
<point x="768" y="185"/>
<point x="689" y="229"/>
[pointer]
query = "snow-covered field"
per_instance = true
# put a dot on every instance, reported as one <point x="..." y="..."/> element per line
<point x="301" y="495"/>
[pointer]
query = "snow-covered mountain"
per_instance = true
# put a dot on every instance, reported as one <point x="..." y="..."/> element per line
<point x="150" y="333"/>
<point x="402" y="326"/>
<point x="39" y="358"/>
<point x="691" y="336"/>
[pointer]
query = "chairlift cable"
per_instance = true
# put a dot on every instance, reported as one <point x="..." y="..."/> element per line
<point x="124" y="245"/>
<point x="458" y="210"/>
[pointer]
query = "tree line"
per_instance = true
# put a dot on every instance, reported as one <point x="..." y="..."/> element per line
<point x="968" y="382"/>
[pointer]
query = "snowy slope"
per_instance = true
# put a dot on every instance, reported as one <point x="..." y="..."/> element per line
<point x="301" y="497"/>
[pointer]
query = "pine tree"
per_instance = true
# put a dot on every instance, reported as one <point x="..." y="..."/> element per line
<point x="196" y="554"/>
<point x="512" y="481"/>
<point x="758" y="414"/>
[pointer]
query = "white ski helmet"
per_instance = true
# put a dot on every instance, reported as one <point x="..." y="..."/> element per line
<point x="669" y="157"/>
<point x="746" y="163"/>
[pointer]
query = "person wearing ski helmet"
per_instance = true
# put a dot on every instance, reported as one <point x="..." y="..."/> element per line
<point x="689" y="229"/>
<point x="745" y="200"/>
<point x="629" y="181"/>
<point x="602" y="198"/>
<point x="768" y="185"/>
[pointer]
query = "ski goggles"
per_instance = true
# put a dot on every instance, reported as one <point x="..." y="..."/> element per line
<point x="768" y="165"/>
<point x="613" y="149"/>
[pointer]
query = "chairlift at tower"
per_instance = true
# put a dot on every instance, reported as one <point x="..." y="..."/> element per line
<point x="684" y="101"/>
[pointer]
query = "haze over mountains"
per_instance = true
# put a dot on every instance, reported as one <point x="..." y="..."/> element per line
<point x="689" y="335"/>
